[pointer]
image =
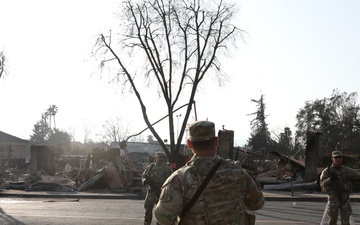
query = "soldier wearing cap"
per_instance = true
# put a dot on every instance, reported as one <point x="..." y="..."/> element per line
<point x="335" y="181"/>
<point x="223" y="201"/>
<point x="154" y="176"/>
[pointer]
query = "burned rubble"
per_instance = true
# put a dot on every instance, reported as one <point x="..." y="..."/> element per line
<point x="109" y="171"/>
<point x="100" y="171"/>
<point x="118" y="170"/>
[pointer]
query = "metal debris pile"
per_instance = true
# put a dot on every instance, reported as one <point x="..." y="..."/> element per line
<point x="101" y="172"/>
<point x="103" y="175"/>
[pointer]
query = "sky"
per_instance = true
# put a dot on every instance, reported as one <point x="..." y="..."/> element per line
<point x="292" y="52"/>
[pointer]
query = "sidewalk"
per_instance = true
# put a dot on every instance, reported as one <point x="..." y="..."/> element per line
<point x="269" y="195"/>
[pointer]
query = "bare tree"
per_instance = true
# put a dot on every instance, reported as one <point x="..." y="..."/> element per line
<point x="72" y="132"/>
<point x="114" y="130"/>
<point x="179" y="42"/>
<point x="87" y="132"/>
<point x="137" y="138"/>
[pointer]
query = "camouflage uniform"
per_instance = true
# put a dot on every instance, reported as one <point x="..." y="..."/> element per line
<point x="339" y="190"/>
<point x="225" y="198"/>
<point x="223" y="202"/>
<point x="158" y="174"/>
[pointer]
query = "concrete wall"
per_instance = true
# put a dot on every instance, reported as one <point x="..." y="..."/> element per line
<point x="226" y="144"/>
<point x="18" y="151"/>
<point x="312" y="156"/>
<point x="42" y="157"/>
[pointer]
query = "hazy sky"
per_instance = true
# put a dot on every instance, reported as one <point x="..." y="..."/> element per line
<point x="294" y="51"/>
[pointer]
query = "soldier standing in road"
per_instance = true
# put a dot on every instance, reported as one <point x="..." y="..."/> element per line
<point x="335" y="181"/>
<point x="154" y="176"/>
<point x="225" y="199"/>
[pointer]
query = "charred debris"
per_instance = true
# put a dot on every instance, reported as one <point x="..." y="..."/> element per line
<point x="102" y="170"/>
<point x="117" y="170"/>
<point x="111" y="172"/>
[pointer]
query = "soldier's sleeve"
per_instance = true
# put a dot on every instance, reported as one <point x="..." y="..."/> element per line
<point x="170" y="203"/>
<point x="324" y="178"/>
<point x="352" y="173"/>
<point x="144" y="173"/>
<point x="254" y="198"/>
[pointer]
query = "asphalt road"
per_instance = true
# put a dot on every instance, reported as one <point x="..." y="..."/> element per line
<point x="297" y="213"/>
<point x="37" y="211"/>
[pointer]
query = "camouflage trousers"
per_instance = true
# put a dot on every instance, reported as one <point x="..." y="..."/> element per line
<point x="150" y="201"/>
<point x="335" y="207"/>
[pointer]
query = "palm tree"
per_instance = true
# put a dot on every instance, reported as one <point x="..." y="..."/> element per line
<point x="52" y="112"/>
<point x="2" y="63"/>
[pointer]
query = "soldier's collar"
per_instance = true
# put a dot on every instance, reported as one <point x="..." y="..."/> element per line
<point x="212" y="157"/>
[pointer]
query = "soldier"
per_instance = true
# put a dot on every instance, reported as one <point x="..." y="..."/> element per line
<point x="223" y="201"/>
<point x="154" y="176"/>
<point x="335" y="181"/>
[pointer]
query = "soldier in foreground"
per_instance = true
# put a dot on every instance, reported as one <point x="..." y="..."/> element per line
<point x="154" y="176"/>
<point x="224" y="201"/>
<point x="335" y="181"/>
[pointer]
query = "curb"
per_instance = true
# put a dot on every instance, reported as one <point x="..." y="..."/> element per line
<point x="76" y="195"/>
<point x="269" y="196"/>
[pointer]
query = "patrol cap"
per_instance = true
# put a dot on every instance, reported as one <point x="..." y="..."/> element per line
<point x="201" y="131"/>
<point x="336" y="153"/>
<point x="159" y="153"/>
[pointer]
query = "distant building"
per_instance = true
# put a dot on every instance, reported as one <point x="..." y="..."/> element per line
<point x="13" y="147"/>
<point x="143" y="152"/>
<point x="144" y="147"/>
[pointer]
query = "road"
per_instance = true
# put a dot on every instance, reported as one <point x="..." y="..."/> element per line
<point x="297" y="213"/>
<point x="36" y="211"/>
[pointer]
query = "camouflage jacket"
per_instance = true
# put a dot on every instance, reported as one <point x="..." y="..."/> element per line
<point x="223" y="202"/>
<point x="158" y="174"/>
<point x="343" y="173"/>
